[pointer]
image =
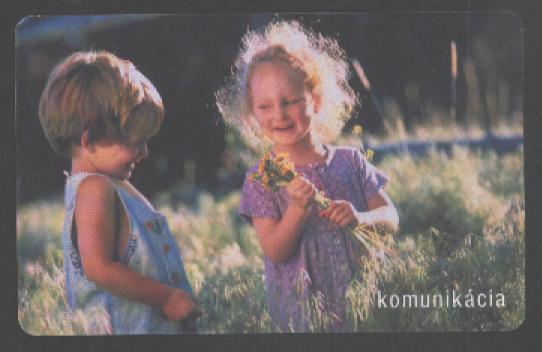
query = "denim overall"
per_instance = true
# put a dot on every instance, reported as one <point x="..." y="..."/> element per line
<point x="151" y="251"/>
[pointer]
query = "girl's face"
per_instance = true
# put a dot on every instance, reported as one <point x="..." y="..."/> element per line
<point x="282" y="104"/>
<point x="119" y="159"/>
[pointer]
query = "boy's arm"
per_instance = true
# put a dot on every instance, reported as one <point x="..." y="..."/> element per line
<point x="95" y="206"/>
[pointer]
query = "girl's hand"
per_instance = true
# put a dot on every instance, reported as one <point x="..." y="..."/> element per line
<point x="179" y="305"/>
<point x="301" y="191"/>
<point x="341" y="213"/>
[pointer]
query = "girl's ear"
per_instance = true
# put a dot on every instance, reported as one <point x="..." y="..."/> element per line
<point x="317" y="103"/>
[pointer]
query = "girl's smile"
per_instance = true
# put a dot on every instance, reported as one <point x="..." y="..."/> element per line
<point x="288" y="128"/>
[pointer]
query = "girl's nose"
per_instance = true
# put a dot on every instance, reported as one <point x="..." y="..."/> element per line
<point x="281" y="112"/>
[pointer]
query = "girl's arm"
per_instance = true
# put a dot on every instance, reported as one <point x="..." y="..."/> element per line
<point x="94" y="207"/>
<point x="381" y="213"/>
<point x="279" y="238"/>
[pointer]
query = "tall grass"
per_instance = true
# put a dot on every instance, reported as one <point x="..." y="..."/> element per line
<point x="461" y="227"/>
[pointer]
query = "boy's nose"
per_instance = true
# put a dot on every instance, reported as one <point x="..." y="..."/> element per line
<point x="144" y="151"/>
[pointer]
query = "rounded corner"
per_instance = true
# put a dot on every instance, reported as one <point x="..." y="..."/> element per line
<point x="23" y="330"/>
<point x="22" y="20"/>
<point x="518" y="327"/>
<point x="516" y="17"/>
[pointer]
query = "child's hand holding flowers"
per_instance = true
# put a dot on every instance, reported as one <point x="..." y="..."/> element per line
<point x="301" y="192"/>
<point x="277" y="171"/>
<point x="341" y="213"/>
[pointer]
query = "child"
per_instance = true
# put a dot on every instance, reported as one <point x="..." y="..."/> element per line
<point x="123" y="267"/>
<point x="290" y="92"/>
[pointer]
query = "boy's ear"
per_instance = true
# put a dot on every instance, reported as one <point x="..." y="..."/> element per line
<point x="85" y="144"/>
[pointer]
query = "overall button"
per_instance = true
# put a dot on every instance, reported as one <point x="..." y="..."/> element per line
<point x="337" y="241"/>
<point x="166" y="247"/>
<point x="344" y="267"/>
<point x="154" y="226"/>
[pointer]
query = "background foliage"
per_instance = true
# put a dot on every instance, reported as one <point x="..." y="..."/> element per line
<point x="478" y="213"/>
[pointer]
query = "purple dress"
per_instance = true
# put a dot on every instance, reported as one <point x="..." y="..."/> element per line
<point x="307" y="292"/>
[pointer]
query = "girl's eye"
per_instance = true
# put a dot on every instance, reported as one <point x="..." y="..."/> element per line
<point x="263" y="107"/>
<point x="292" y="101"/>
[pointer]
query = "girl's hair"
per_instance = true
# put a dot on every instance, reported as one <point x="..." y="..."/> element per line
<point x="100" y="93"/>
<point x="321" y="61"/>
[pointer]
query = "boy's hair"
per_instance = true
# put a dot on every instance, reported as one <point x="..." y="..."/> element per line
<point x="99" y="93"/>
<point x="319" y="59"/>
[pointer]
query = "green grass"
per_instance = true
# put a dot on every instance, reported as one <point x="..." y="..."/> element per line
<point x="461" y="227"/>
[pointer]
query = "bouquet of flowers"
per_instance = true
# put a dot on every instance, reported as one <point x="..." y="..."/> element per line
<point x="276" y="171"/>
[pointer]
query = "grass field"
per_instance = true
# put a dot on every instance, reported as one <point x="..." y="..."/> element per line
<point x="461" y="228"/>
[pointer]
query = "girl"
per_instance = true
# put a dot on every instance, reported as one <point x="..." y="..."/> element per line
<point x="289" y="91"/>
<point x="123" y="268"/>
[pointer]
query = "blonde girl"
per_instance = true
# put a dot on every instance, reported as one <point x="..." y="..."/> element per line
<point x="289" y="91"/>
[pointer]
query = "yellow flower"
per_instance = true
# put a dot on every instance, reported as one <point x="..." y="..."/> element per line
<point x="265" y="180"/>
<point x="357" y="130"/>
<point x="281" y="157"/>
<point x="286" y="168"/>
<point x="369" y="154"/>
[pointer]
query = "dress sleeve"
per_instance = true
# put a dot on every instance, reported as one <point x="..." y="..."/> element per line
<point x="372" y="179"/>
<point x="256" y="201"/>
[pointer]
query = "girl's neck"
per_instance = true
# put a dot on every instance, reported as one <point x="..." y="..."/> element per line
<point x="310" y="152"/>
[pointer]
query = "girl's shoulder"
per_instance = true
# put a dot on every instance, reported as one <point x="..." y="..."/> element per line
<point x="251" y="170"/>
<point x="346" y="154"/>
<point x="345" y="151"/>
<point x="350" y="159"/>
<point x="252" y="186"/>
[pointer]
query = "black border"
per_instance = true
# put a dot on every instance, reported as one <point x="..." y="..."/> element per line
<point x="528" y="337"/>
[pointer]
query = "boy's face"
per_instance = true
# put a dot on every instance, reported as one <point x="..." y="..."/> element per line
<point x="118" y="159"/>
